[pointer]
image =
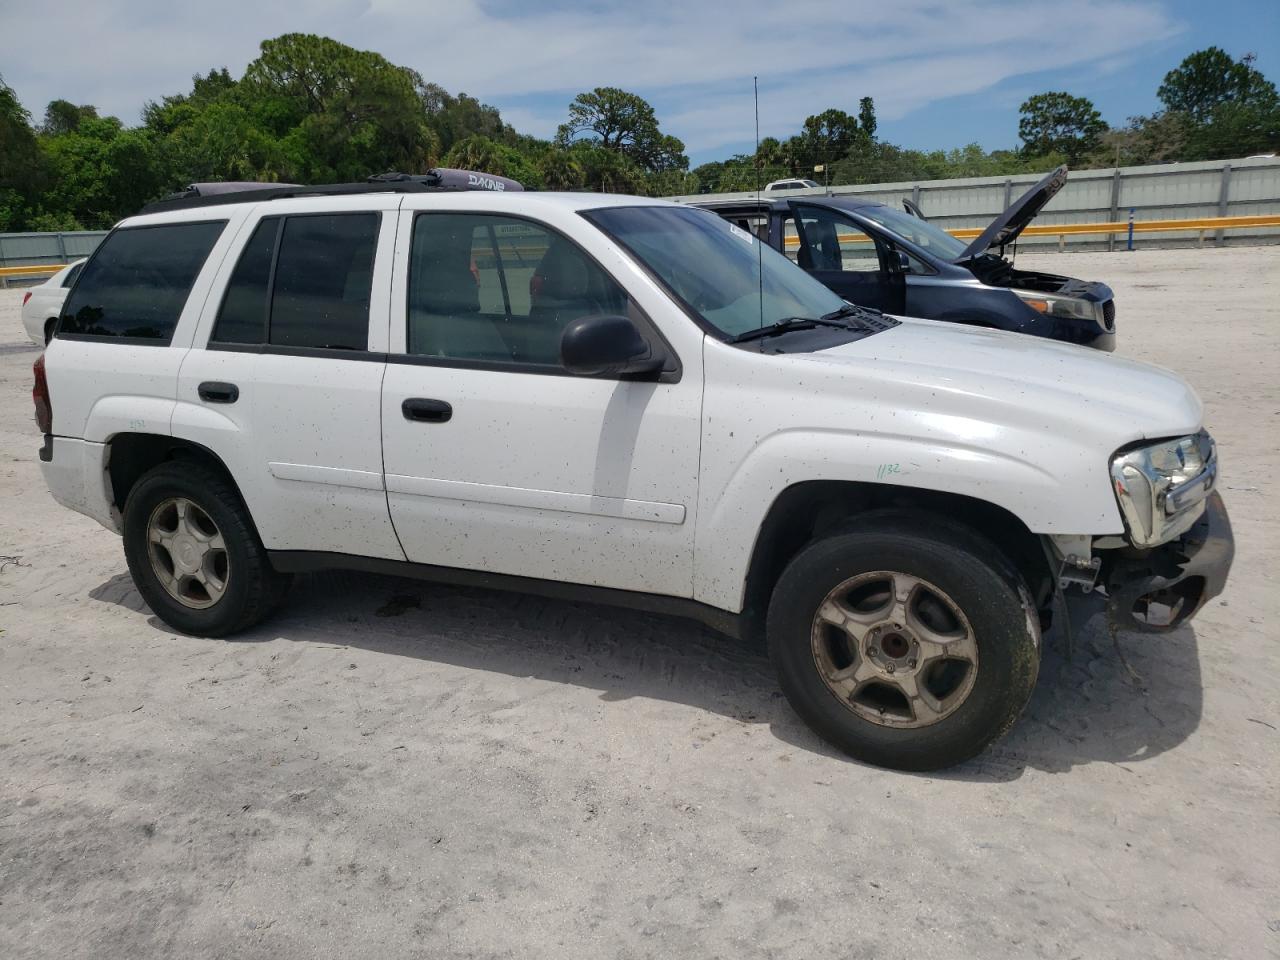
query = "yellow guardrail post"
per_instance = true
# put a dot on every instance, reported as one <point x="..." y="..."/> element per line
<point x="30" y="270"/>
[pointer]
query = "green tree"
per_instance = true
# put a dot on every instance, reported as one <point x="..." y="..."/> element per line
<point x="481" y="153"/>
<point x="63" y="116"/>
<point x="1209" y="78"/>
<point x="1057" y="122"/>
<point x="826" y="137"/>
<point x="457" y="118"/>
<point x="101" y="172"/>
<point x="21" y="164"/>
<point x="622" y="123"/>
<point x="867" y="117"/>
<point x="340" y="112"/>
<point x="1236" y="128"/>
<point x="561" y="170"/>
<point x="1159" y="138"/>
<point x="223" y="142"/>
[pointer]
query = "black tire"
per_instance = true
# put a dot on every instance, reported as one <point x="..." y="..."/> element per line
<point x="985" y="587"/>
<point x="253" y="586"/>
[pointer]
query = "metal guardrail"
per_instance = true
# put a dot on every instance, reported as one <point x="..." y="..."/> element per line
<point x="1060" y="230"/>
<point x="1172" y="191"/>
<point x="1063" y="230"/>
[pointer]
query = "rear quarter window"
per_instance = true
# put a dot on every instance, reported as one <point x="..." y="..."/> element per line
<point x="74" y="272"/>
<point x="136" y="283"/>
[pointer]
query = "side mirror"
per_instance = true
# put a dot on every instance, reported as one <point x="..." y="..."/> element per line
<point x="606" y="346"/>
<point x="903" y="261"/>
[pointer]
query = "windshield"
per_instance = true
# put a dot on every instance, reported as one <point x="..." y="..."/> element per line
<point x="715" y="267"/>
<point x="920" y="232"/>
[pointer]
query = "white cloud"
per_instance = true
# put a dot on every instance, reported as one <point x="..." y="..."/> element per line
<point x="694" y="60"/>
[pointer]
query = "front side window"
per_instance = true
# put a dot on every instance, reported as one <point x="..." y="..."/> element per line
<point x="138" y="280"/>
<point x="731" y="280"/>
<point x="494" y="289"/>
<point x="829" y="241"/>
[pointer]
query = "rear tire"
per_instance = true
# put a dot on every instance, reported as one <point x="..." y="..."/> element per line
<point x="194" y="553"/>
<point x="906" y="644"/>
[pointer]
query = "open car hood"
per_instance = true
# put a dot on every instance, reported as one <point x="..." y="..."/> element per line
<point x="1005" y="228"/>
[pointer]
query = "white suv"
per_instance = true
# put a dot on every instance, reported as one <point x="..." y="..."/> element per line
<point x="621" y="400"/>
<point x="793" y="184"/>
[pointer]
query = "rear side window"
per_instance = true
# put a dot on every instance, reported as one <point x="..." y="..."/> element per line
<point x="323" y="279"/>
<point x="302" y="281"/>
<point x="243" y="315"/>
<point x="137" y="282"/>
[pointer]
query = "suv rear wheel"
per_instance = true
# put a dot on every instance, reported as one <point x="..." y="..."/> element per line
<point x="194" y="553"/>
<point x="905" y="648"/>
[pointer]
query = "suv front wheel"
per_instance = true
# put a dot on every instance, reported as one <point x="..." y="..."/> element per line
<point x="905" y="646"/>
<point x="194" y="554"/>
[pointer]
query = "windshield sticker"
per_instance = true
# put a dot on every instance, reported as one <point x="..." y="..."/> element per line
<point x="741" y="234"/>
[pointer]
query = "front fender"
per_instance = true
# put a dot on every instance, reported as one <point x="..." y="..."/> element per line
<point x="731" y="517"/>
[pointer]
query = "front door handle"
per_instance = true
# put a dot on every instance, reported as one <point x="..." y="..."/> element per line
<point x="428" y="411"/>
<point x="215" y="391"/>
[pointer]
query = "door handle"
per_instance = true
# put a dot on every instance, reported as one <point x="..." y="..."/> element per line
<point x="215" y="391"/>
<point x="428" y="411"/>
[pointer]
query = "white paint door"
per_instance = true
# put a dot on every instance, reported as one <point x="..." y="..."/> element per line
<point x="496" y="458"/>
<point x="298" y="329"/>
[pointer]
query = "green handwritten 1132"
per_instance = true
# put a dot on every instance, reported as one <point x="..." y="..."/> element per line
<point x="886" y="469"/>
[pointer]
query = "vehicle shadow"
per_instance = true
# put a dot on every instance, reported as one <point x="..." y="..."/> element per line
<point x="1086" y="708"/>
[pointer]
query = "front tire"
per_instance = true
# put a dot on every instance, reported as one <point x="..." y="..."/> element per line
<point x="905" y="646"/>
<point x="194" y="553"/>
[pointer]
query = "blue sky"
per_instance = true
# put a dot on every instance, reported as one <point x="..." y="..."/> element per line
<point x="942" y="74"/>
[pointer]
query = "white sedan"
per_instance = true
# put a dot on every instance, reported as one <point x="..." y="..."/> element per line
<point x="41" y="304"/>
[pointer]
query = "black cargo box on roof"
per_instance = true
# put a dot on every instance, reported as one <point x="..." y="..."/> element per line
<point x="240" y="191"/>
<point x="446" y="178"/>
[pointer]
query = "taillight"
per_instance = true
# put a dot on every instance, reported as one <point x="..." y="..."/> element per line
<point x="40" y="394"/>
<point x="25" y="297"/>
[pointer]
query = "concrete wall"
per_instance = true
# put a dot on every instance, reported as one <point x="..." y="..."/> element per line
<point x="25" y="249"/>
<point x="1171" y="191"/>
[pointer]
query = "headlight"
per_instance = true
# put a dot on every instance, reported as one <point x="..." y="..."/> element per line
<point x="1056" y="306"/>
<point x="1161" y="488"/>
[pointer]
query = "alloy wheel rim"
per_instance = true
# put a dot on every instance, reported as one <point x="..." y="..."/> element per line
<point x="188" y="553"/>
<point x="895" y="649"/>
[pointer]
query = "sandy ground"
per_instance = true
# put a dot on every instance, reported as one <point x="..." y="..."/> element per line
<point x="392" y="769"/>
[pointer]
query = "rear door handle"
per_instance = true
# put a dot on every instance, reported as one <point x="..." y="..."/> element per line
<point x="428" y="411"/>
<point x="216" y="391"/>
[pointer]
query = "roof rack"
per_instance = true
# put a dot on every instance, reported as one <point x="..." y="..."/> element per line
<point x="437" y="179"/>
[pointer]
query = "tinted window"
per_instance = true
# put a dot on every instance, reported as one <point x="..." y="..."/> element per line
<point x="243" y="315"/>
<point x="500" y="290"/>
<point x="74" y="272"/>
<point x="138" y="281"/>
<point x="324" y="274"/>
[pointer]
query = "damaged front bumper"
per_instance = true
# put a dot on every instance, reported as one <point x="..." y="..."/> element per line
<point x="1161" y="588"/>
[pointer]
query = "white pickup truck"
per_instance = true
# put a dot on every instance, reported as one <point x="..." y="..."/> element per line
<point x="621" y="400"/>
